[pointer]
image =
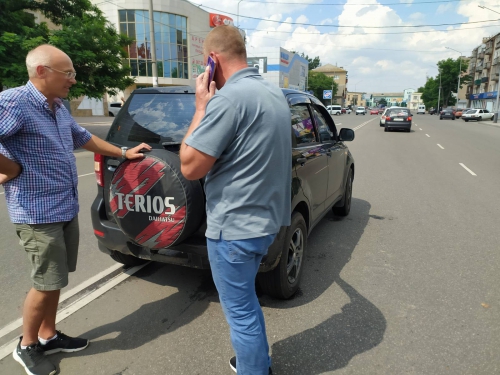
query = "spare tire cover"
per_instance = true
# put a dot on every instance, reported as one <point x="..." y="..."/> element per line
<point x="152" y="202"/>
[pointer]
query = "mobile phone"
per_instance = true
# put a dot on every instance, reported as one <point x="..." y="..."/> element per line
<point x="211" y="63"/>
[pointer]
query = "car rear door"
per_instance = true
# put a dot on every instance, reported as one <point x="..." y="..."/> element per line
<point x="308" y="157"/>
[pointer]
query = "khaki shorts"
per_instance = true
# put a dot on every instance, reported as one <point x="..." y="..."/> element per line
<point x="52" y="250"/>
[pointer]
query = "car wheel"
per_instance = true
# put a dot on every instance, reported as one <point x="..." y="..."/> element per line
<point x="440" y="118"/>
<point x="453" y="118"/>
<point x="127" y="260"/>
<point x="386" y="129"/>
<point x="381" y="124"/>
<point x="346" y="207"/>
<point x="466" y="120"/>
<point x="111" y="114"/>
<point x="283" y="281"/>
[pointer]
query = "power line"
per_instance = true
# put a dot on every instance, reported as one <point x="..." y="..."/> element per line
<point x="345" y="26"/>
<point x="343" y="4"/>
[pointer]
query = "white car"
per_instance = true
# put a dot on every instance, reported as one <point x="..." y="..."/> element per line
<point x="477" y="114"/>
<point x="114" y="108"/>
<point x="334" y="109"/>
<point x="360" y="111"/>
<point x="347" y="110"/>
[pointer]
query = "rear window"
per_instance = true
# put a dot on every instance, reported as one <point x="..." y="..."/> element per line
<point x="155" y="119"/>
<point x="398" y="112"/>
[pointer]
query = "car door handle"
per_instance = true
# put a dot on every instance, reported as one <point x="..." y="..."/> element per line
<point x="301" y="160"/>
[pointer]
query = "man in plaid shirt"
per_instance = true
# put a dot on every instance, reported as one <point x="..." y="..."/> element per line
<point x="38" y="172"/>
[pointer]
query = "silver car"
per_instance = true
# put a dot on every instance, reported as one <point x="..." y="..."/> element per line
<point x="477" y="114"/>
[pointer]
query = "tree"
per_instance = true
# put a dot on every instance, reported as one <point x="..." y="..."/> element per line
<point x="448" y="73"/>
<point x="319" y="82"/>
<point x="382" y="102"/>
<point x="88" y="38"/>
<point x="313" y="63"/>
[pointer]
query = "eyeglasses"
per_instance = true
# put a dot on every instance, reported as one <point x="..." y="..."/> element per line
<point x="69" y="75"/>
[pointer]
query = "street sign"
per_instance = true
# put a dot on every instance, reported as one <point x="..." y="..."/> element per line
<point x="327" y="94"/>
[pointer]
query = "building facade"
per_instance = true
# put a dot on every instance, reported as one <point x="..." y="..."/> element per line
<point x="392" y="98"/>
<point x="355" y="99"/>
<point x="339" y="76"/>
<point x="484" y="68"/>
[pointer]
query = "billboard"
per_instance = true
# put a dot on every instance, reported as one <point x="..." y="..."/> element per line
<point x="219" y="20"/>
<point x="197" y="63"/>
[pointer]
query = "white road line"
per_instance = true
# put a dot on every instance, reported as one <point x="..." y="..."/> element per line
<point x="420" y="128"/>
<point x="2" y="193"/>
<point x="6" y="349"/>
<point x="70" y="293"/>
<point x="442" y="148"/>
<point x="467" y="169"/>
<point x="428" y="135"/>
<point x="87" y="174"/>
<point x="363" y="124"/>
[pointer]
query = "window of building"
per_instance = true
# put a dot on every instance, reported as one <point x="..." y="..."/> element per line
<point x="170" y="38"/>
<point x="335" y="76"/>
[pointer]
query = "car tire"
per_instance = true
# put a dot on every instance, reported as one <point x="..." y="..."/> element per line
<point x="169" y="207"/>
<point x="381" y="124"/>
<point x="453" y="118"/>
<point x="283" y="281"/>
<point x="386" y="129"/>
<point x="346" y="207"/>
<point x="110" y="114"/>
<point x="466" y="120"/>
<point x="126" y="260"/>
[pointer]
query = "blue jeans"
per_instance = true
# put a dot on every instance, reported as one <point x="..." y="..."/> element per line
<point x="234" y="268"/>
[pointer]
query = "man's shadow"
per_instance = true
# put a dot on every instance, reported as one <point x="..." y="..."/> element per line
<point x="332" y="344"/>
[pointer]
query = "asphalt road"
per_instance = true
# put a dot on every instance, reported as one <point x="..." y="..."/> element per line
<point x="406" y="284"/>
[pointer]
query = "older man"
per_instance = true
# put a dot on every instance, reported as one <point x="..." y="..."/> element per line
<point x="240" y="138"/>
<point x="38" y="171"/>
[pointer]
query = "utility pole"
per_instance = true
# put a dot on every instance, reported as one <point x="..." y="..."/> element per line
<point x="439" y="94"/>
<point x="331" y="97"/>
<point x="459" y="70"/>
<point x="153" y="44"/>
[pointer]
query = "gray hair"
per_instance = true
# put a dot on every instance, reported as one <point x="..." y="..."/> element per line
<point x="36" y="57"/>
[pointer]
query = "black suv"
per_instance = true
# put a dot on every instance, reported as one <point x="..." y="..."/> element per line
<point x="146" y="210"/>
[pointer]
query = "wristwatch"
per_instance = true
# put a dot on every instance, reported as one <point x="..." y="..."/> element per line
<point x="124" y="152"/>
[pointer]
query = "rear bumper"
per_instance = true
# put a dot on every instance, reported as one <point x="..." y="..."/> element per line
<point x="398" y="125"/>
<point x="190" y="253"/>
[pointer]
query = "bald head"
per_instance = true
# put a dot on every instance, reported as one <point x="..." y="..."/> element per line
<point x="43" y="55"/>
<point x="227" y="41"/>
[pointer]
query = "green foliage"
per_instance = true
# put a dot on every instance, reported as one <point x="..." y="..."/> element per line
<point x="92" y="43"/>
<point x="317" y="82"/>
<point x="313" y="63"/>
<point x="420" y="89"/>
<point x="382" y="102"/>
<point x="448" y="72"/>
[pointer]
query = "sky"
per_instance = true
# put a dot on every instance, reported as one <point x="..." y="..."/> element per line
<point x="359" y="35"/>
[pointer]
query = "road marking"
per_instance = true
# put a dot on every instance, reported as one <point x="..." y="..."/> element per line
<point x="363" y="124"/>
<point x="442" y="148"/>
<point x="87" y="174"/>
<point x="467" y="169"/>
<point x="420" y="128"/>
<point x="2" y="193"/>
<point x="428" y="135"/>
<point x="7" y="349"/>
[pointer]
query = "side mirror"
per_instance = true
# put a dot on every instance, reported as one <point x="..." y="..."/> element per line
<point x="346" y="134"/>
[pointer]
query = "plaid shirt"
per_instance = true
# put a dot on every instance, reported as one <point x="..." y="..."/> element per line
<point x="41" y="141"/>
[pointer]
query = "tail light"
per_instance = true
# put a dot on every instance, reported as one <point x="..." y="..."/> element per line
<point x="384" y="118"/>
<point x="99" y="169"/>
<point x="387" y="119"/>
<point x="409" y="118"/>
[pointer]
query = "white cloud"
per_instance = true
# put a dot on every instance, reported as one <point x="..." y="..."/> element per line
<point x="408" y="2"/>
<point x="417" y="16"/>
<point x="443" y="8"/>
<point x="302" y="19"/>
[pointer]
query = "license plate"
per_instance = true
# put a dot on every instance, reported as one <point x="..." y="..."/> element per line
<point x="398" y="119"/>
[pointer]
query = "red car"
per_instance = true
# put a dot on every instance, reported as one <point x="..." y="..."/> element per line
<point x="374" y="111"/>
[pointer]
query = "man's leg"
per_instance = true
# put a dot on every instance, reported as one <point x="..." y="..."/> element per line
<point x="39" y="315"/>
<point x="234" y="267"/>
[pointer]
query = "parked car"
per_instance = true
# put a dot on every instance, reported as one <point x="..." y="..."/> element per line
<point x="374" y="111"/>
<point x="421" y="109"/>
<point x="477" y="114"/>
<point x="447" y="113"/>
<point x="334" y="109"/>
<point x="398" y="118"/>
<point x="360" y="111"/>
<point x="133" y="217"/>
<point x="432" y="111"/>
<point x="346" y="110"/>
<point x="114" y="108"/>
<point x="459" y="112"/>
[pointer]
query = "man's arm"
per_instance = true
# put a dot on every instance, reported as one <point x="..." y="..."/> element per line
<point x="194" y="163"/>
<point x="8" y="169"/>
<point x="97" y="145"/>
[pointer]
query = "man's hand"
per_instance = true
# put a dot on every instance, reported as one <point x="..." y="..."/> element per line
<point x="203" y="92"/>
<point x="9" y="169"/>
<point x="134" y="153"/>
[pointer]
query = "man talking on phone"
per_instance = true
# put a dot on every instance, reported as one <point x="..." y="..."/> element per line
<point x="240" y="139"/>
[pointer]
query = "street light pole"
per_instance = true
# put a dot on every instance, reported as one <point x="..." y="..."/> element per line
<point x="439" y="93"/>
<point x="459" y="71"/>
<point x="238" y="13"/>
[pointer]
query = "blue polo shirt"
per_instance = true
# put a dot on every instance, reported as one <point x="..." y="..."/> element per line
<point x="41" y="141"/>
<point x="247" y="127"/>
